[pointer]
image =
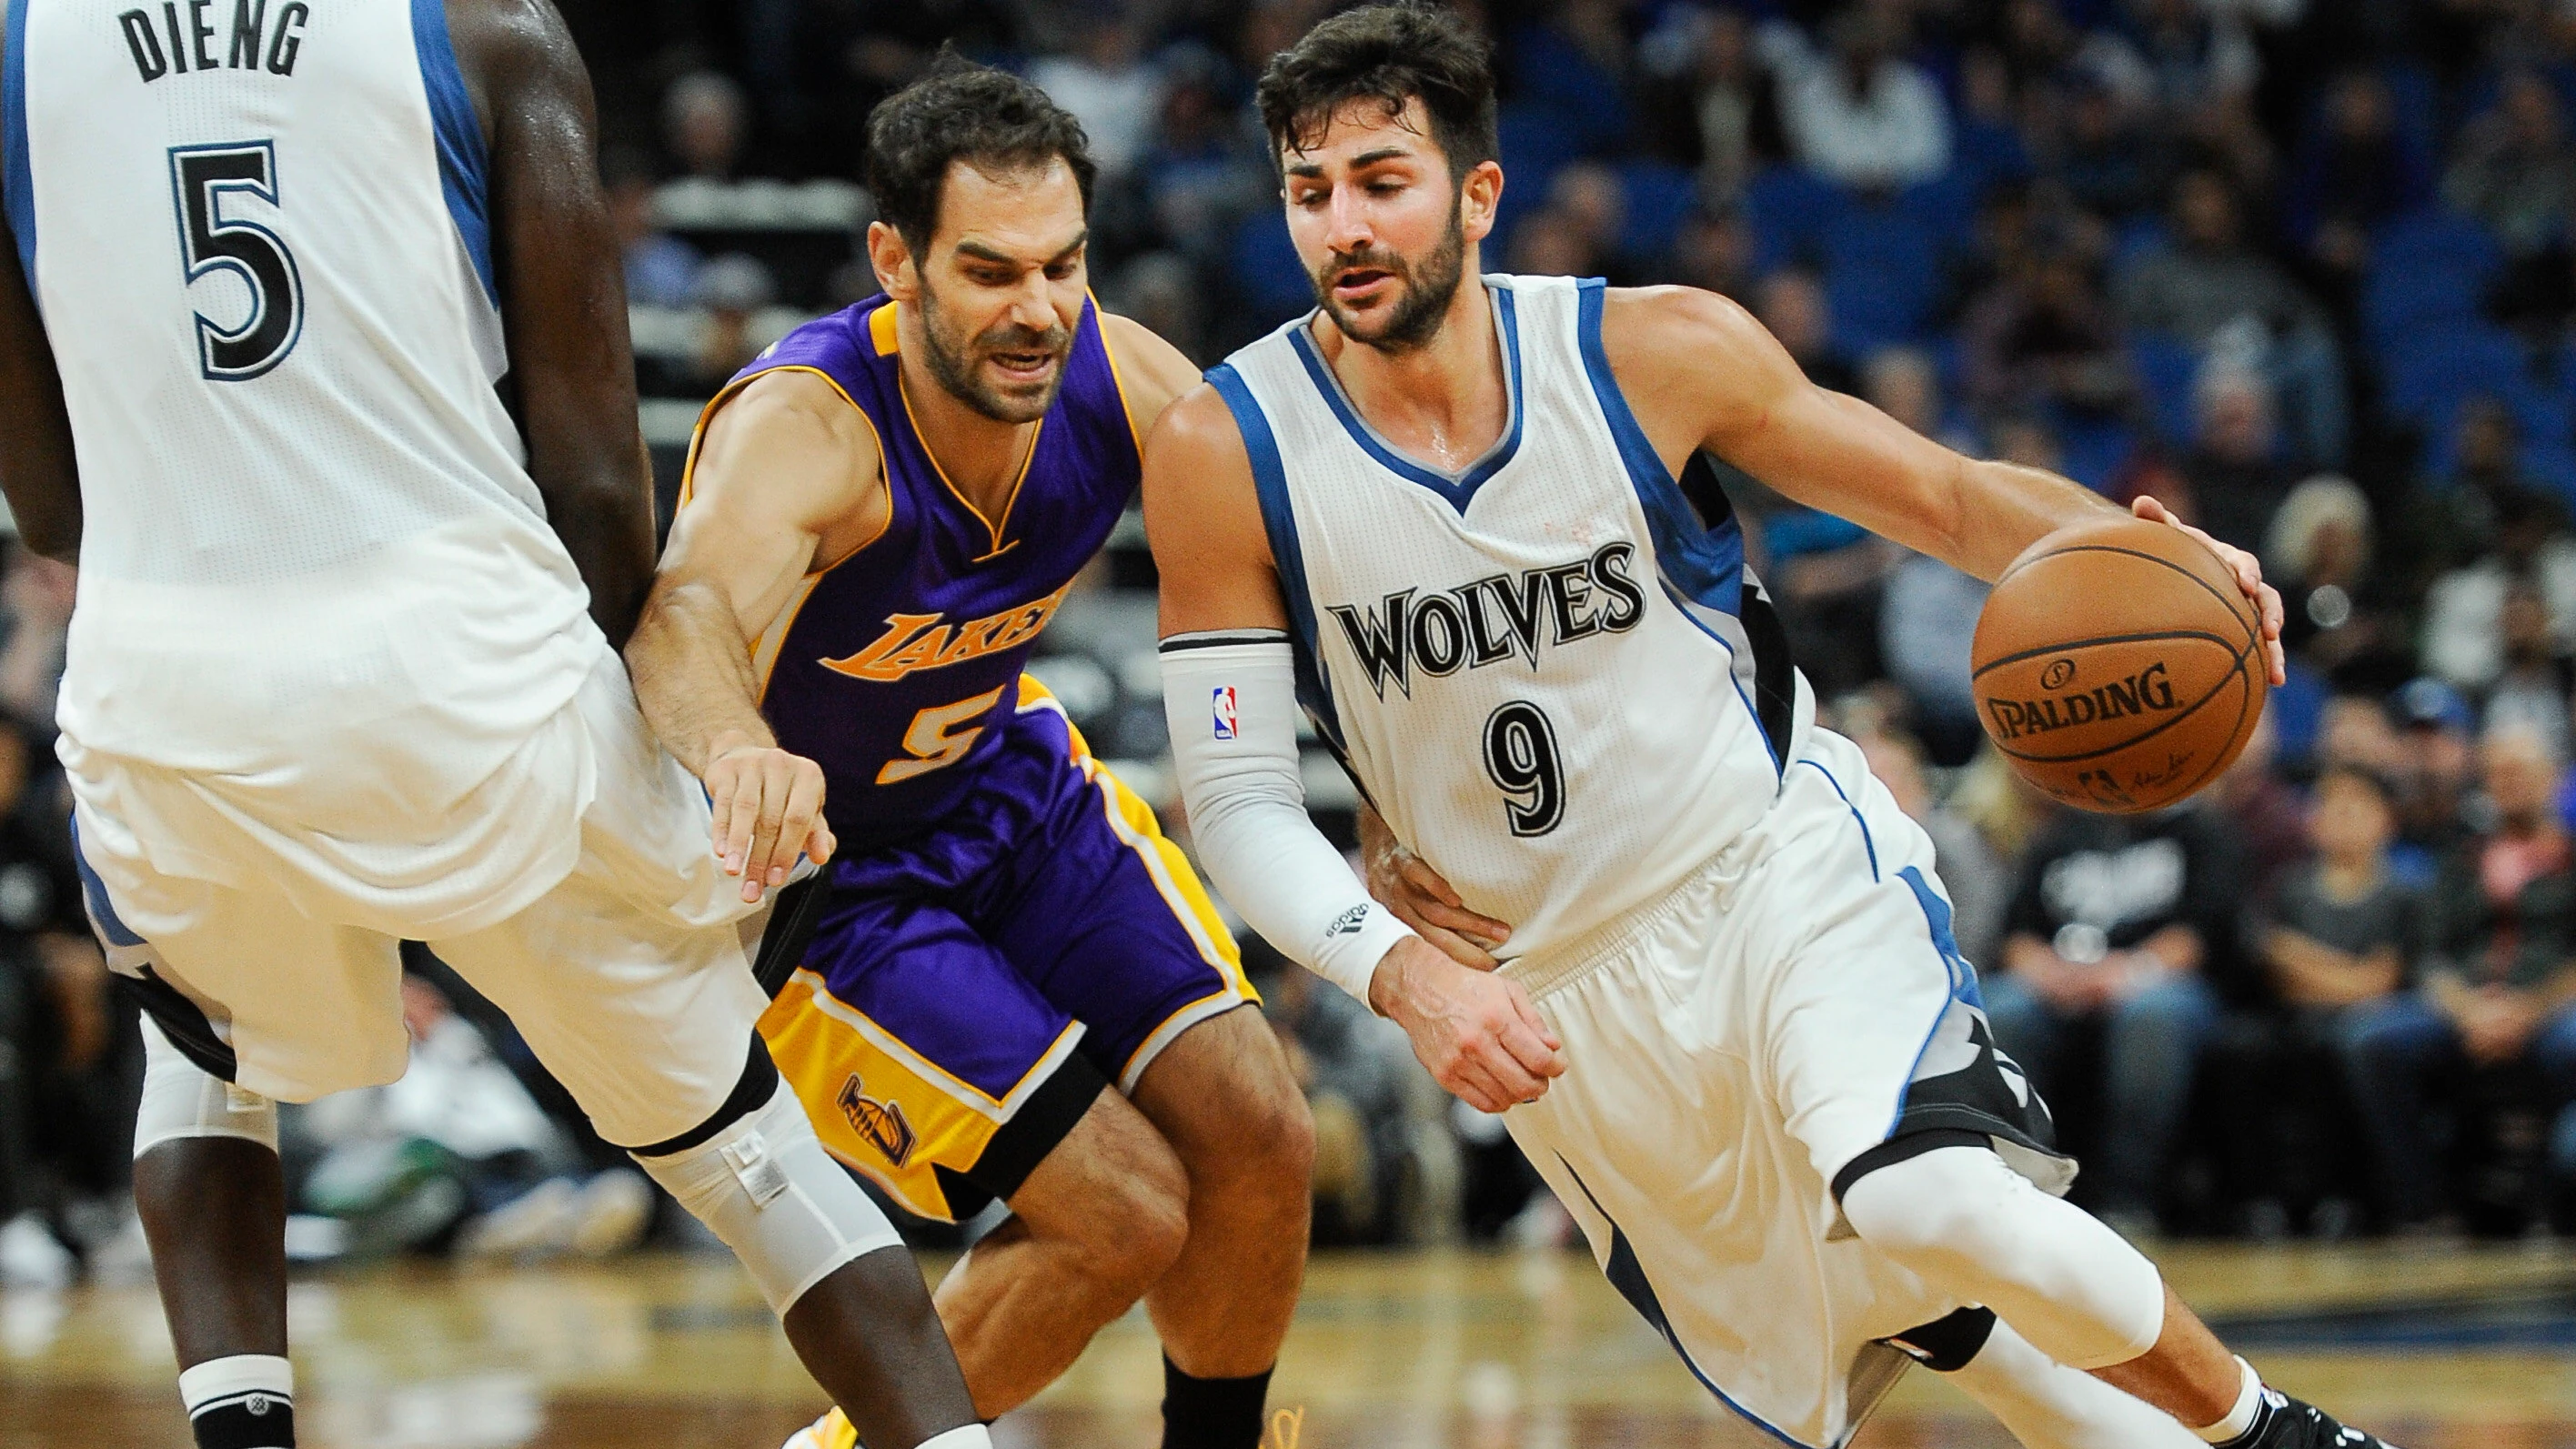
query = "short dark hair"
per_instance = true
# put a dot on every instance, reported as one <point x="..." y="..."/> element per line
<point x="960" y="111"/>
<point x="1389" y="54"/>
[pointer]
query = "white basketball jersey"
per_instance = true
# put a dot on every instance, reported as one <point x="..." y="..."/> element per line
<point x="257" y="232"/>
<point x="1551" y="673"/>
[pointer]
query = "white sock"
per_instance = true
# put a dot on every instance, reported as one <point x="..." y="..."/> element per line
<point x="972" y="1436"/>
<point x="247" y="1400"/>
<point x="2249" y="1402"/>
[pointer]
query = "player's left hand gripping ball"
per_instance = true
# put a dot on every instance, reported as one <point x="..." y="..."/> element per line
<point x="2249" y="576"/>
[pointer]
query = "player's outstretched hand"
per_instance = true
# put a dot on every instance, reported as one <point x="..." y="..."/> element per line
<point x="1478" y="1034"/>
<point x="2249" y="577"/>
<point x="768" y="810"/>
<point x="1420" y="898"/>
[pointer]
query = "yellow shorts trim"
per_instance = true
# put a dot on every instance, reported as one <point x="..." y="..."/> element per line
<point x="881" y="1107"/>
<point x="1133" y="821"/>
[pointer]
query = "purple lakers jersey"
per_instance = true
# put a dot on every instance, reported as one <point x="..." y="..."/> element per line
<point x="896" y="668"/>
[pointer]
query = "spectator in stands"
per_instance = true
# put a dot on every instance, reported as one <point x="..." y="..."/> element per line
<point x="1792" y="304"/>
<point x="1571" y="63"/>
<point x="1552" y="243"/>
<point x="1591" y="197"/>
<point x="705" y="125"/>
<point x="2354" y="171"/>
<point x="2464" y="633"/>
<point x="2335" y="938"/>
<point x="2208" y="287"/>
<point x="2176" y="57"/>
<point x="1198" y="178"/>
<point x="2454" y="509"/>
<point x="1988" y="148"/>
<point x="1730" y="100"/>
<point x="1715" y="251"/>
<point x="1355" y="1079"/>
<point x="70" y="1055"/>
<point x="2436" y="768"/>
<point x="1110" y="86"/>
<point x="1979" y="884"/>
<point x="1929" y="618"/>
<point x="2513" y="169"/>
<point x="2118" y="920"/>
<point x="1862" y="114"/>
<point x="2497" y="970"/>
<point x="2532" y="691"/>
<point x="731" y="288"/>
<point x="2344" y="620"/>
<point x="2044" y="337"/>
<point x="2102" y="149"/>
<point x="661" y="269"/>
<point x="36" y="607"/>
<point x="2235" y="480"/>
<point x="2265" y="818"/>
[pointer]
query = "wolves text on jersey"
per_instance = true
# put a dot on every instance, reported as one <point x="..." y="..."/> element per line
<point x="251" y="43"/>
<point x="922" y="641"/>
<point x="1493" y="618"/>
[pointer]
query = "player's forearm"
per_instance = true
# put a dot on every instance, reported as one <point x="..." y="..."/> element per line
<point x="604" y="516"/>
<point x="1232" y="710"/>
<point x="1996" y="509"/>
<point x="692" y="670"/>
<point x="39" y="474"/>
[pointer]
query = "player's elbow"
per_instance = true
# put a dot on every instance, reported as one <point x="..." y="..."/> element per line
<point x="56" y="539"/>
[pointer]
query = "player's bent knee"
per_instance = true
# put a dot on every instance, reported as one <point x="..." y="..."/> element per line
<point x="1115" y="1192"/>
<point x="764" y="1186"/>
<point x="1275" y="1151"/>
<point x="1972" y="1227"/>
<point x="183" y="1100"/>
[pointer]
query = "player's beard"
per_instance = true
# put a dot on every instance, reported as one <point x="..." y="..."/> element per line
<point x="1426" y="291"/>
<point x="954" y="358"/>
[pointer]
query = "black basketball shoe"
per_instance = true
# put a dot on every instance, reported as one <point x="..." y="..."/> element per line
<point x="2285" y="1423"/>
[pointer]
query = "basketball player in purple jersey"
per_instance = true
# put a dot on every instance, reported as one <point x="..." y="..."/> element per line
<point x="881" y="514"/>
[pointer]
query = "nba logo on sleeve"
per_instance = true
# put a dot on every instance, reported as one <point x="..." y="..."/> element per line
<point x="1224" y="704"/>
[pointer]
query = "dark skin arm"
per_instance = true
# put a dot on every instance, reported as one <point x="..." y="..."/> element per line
<point x="38" y="470"/>
<point x="563" y="296"/>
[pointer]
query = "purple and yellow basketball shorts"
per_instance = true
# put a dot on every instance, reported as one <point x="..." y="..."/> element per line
<point x="967" y="993"/>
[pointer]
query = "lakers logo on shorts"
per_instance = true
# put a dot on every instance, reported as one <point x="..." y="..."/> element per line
<point x="881" y="1123"/>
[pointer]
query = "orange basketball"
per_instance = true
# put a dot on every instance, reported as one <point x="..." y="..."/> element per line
<point x="2118" y="665"/>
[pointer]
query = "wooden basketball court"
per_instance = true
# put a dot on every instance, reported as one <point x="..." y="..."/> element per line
<point x="2441" y="1349"/>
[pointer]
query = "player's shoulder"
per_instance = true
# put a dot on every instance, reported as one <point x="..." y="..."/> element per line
<point x="1198" y="423"/>
<point x="1671" y="318"/>
<point x="1151" y="371"/>
<point x="797" y="404"/>
<point x="503" y="39"/>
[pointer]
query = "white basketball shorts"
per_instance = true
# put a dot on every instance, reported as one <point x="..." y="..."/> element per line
<point x="620" y="952"/>
<point x="1740" y="1050"/>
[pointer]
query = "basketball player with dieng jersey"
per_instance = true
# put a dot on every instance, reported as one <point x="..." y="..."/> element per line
<point x="1466" y="523"/>
<point x="881" y="514"/>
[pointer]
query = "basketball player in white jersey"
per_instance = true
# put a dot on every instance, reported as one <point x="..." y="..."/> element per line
<point x="1465" y="522"/>
<point x="313" y="352"/>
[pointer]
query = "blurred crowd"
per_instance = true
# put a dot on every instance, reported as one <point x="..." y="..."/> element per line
<point x="2303" y="269"/>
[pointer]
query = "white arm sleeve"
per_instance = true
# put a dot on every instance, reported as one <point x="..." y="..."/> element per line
<point x="1231" y="700"/>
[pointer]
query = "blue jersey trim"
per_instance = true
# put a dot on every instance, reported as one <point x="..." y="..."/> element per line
<point x="1628" y="1275"/>
<point x="1459" y="490"/>
<point x="17" y="176"/>
<point x="1682" y="603"/>
<point x="1279" y="520"/>
<point x="102" y="911"/>
<point x="1865" y="840"/>
<point x="1706" y="563"/>
<point x="1962" y="976"/>
<point x="462" y="170"/>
